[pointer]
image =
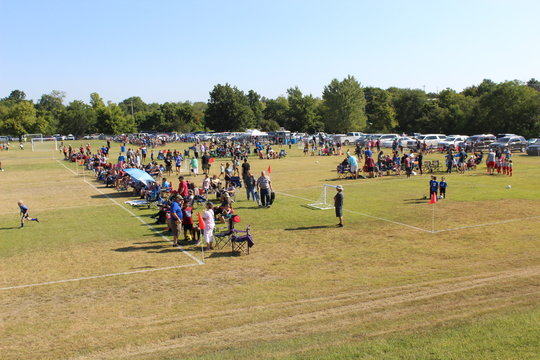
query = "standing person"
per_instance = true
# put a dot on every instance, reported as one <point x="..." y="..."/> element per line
<point x="187" y="221"/>
<point x="245" y="168"/>
<point x="420" y="160"/>
<point x="249" y="182"/>
<point x="24" y="213"/>
<point x="264" y="186"/>
<point x="433" y="186"/>
<point x="490" y="162"/>
<point x="209" y="223"/>
<point x="442" y="188"/>
<point x="338" y="204"/>
<point x="175" y="220"/>
<point x="182" y="187"/>
<point x="178" y="162"/>
<point x="205" y="160"/>
<point x="194" y="166"/>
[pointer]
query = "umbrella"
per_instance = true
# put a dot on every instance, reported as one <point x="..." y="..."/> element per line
<point x="140" y="175"/>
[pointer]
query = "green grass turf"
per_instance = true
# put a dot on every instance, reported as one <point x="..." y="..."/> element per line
<point x="384" y="286"/>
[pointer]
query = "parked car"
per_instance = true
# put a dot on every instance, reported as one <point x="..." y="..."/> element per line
<point x="478" y="142"/>
<point x="70" y="137"/>
<point x="452" y="141"/>
<point x="534" y="149"/>
<point x="349" y="138"/>
<point x="59" y="137"/>
<point x="533" y="141"/>
<point x="388" y="140"/>
<point x="513" y="143"/>
<point x="429" y="139"/>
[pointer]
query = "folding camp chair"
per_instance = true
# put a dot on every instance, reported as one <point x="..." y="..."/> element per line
<point x="427" y="166"/>
<point x="241" y="243"/>
<point x="435" y="166"/>
<point x="223" y="237"/>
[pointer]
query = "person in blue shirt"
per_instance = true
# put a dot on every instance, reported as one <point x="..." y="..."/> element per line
<point x="24" y="213"/>
<point x="442" y="188"/>
<point x="433" y="186"/>
<point x="175" y="220"/>
<point x="353" y="163"/>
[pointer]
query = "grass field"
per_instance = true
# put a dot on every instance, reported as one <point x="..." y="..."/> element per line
<point x="402" y="280"/>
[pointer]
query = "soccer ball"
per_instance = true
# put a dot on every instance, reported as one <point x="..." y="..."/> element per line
<point x="508" y="186"/>
<point x="316" y="162"/>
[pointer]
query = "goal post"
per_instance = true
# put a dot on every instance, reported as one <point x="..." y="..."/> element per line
<point x="44" y="144"/>
<point x="325" y="200"/>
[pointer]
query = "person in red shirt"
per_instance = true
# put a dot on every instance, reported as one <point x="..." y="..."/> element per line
<point x="182" y="187"/>
<point x="187" y="221"/>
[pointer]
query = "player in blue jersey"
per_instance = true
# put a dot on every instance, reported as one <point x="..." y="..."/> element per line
<point x="24" y="213"/>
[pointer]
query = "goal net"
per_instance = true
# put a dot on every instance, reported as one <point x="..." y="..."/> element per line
<point x="44" y="144"/>
<point x="325" y="200"/>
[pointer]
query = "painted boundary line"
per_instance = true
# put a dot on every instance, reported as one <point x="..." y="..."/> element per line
<point x="199" y="262"/>
<point x="421" y="229"/>
<point x="366" y="215"/>
<point x="96" y="277"/>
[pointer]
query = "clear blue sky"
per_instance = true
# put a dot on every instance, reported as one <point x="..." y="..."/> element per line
<point x="178" y="50"/>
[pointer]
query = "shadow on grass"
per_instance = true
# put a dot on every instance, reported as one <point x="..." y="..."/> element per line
<point x="10" y="228"/>
<point x="222" y="254"/>
<point x="246" y="207"/>
<point x="114" y="195"/>
<point x="422" y="200"/>
<point x="311" y="227"/>
<point x="139" y="248"/>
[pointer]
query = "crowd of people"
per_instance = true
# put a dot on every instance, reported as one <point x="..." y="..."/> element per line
<point x="175" y="204"/>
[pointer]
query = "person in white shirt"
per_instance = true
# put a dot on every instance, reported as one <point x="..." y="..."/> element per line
<point x="209" y="224"/>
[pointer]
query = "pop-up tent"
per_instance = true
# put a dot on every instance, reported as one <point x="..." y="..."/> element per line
<point x="140" y="175"/>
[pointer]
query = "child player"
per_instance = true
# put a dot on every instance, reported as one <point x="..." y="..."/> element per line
<point x="442" y="188"/>
<point x="24" y="213"/>
<point x="433" y="186"/>
<point x="187" y="221"/>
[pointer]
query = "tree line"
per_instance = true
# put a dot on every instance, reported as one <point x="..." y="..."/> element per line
<point x="506" y="107"/>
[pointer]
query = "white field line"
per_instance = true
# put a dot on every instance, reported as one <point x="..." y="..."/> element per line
<point x="136" y="216"/>
<point x="488" y="224"/>
<point x="366" y="215"/>
<point x="96" y="277"/>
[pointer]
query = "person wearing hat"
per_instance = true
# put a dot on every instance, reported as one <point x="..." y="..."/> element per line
<point x="338" y="204"/>
<point x="175" y="220"/>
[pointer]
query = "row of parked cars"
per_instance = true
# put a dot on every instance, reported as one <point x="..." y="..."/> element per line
<point x="512" y="142"/>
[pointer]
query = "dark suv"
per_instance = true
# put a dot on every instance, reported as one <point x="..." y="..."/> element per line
<point x="513" y="143"/>
<point x="478" y="142"/>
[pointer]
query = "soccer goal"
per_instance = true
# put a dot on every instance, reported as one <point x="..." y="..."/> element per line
<point x="325" y="201"/>
<point x="44" y="144"/>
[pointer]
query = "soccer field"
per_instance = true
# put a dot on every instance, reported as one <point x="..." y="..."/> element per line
<point x="95" y="279"/>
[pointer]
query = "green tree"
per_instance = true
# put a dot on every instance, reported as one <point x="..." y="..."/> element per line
<point x="303" y="114"/>
<point x="275" y="113"/>
<point x="381" y="116"/>
<point x="78" y="119"/>
<point x="256" y="107"/>
<point x="16" y="96"/>
<point x="19" y="118"/>
<point x="228" y="110"/>
<point x="344" y="106"/>
<point x="510" y="108"/>
<point x="50" y="108"/>
<point x="409" y="106"/>
<point x="533" y="83"/>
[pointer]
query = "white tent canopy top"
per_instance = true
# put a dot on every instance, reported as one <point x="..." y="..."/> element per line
<point x="255" y="132"/>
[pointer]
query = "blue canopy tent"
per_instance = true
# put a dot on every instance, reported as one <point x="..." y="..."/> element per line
<point x="140" y="175"/>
